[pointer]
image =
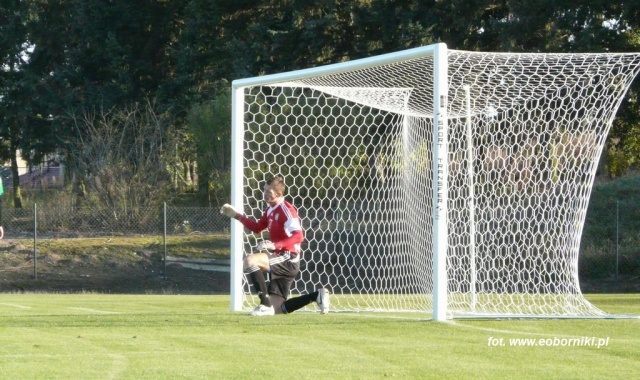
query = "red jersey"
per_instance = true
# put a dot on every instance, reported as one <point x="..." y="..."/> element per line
<point x="283" y="224"/>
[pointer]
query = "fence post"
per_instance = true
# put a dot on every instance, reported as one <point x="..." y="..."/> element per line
<point x="164" y="260"/>
<point x="617" y="239"/>
<point x="35" y="241"/>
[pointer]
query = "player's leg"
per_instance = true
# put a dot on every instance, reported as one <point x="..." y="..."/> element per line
<point x="276" y="300"/>
<point x="255" y="266"/>
<point x="320" y="296"/>
<point x="297" y="303"/>
<point x="283" y="273"/>
<point x="282" y="276"/>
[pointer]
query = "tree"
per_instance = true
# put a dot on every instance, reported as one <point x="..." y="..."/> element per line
<point x="122" y="157"/>
<point x="210" y="126"/>
<point x="96" y="55"/>
<point x="14" y="86"/>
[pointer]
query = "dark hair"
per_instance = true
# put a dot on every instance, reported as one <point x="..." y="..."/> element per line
<point x="277" y="183"/>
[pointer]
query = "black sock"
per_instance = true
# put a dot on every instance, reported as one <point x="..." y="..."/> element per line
<point x="293" y="304"/>
<point x="257" y="278"/>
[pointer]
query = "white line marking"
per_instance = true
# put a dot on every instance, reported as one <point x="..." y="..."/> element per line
<point x="501" y="331"/>
<point x="380" y="316"/>
<point x="119" y="365"/>
<point x="93" y="310"/>
<point x="16" y="305"/>
<point x="477" y="328"/>
<point x="522" y="332"/>
<point x="87" y="354"/>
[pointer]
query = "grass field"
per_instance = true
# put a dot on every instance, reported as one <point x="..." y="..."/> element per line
<point x="95" y="336"/>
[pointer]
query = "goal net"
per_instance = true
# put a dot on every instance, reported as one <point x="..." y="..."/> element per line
<point x="432" y="179"/>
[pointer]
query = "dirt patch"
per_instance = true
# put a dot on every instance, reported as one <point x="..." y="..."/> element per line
<point x="102" y="271"/>
<point x="139" y="269"/>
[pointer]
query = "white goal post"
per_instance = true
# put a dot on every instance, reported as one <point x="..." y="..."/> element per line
<point x="431" y="179"/>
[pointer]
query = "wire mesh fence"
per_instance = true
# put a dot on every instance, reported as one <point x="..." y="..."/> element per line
<point x="66" y="222"/>
<point x="63" y="244"/>
<point x="165" y="249"/>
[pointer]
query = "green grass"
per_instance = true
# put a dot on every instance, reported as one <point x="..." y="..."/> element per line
<point x="95" y="336"/>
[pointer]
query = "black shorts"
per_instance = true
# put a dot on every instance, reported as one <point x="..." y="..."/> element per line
<point x="284" y="268"/>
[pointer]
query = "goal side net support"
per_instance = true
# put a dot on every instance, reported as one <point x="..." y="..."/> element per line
<point x="430" y="179"/>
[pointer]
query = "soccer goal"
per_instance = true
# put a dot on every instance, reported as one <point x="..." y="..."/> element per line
<point x="430" y="179"/>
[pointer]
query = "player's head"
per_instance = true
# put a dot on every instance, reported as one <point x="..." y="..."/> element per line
<point x="274" y="189"/>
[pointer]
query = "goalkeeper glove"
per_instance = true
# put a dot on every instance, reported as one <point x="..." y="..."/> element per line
<point x="266" y="245"/>
<point x="229" y="211"/>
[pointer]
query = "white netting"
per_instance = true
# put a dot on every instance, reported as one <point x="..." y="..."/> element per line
<point x="355" y="150"/>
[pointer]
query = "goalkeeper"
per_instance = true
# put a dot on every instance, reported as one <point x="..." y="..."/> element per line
<point x="279" y="256"/>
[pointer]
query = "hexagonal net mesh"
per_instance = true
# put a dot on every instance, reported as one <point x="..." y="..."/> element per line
<point x="525" y="132"/>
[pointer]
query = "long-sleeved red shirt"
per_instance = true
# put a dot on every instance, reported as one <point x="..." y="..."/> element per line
<point x="283" y="224"/>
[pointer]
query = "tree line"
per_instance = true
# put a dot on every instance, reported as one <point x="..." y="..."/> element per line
<point x="133" y="95"/>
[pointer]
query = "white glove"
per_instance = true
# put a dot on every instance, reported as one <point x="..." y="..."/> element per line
<point x="229" y="211"/>
<point x="266" y="245"/>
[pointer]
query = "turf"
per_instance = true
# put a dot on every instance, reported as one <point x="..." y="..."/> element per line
<point x="96" y="336"/>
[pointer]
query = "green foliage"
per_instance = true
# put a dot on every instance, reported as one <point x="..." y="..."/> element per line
<point x="611" y="229"/>
<point x="209" y="125"/>
<point x="618" y="163"/>
<point x="623" y="145"/>
<point x="622" y="195"/>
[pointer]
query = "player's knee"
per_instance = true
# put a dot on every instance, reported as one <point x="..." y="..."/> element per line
<point x="278" y="303"/>
<point x="259" y="260"/>
<point x="249" y="262"/>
